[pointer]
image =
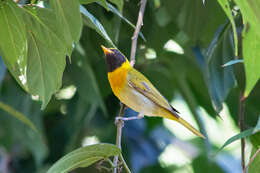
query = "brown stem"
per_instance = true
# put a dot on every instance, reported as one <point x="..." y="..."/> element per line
<point x="251" y="160"/>
<point x="139" y="24"/>
<point x="119" y="124"/>
<point x="241" y="126"/>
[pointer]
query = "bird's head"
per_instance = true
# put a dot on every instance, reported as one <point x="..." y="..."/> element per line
<point x="114" y="58"/>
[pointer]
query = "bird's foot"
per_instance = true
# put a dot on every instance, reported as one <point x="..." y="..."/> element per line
<point x="140" y="116"/>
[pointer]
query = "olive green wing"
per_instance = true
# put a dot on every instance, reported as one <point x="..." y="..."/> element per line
<point x="140" y="83"/>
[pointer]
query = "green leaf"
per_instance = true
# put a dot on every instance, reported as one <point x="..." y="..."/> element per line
<point x="243" y="134"/>
<point x="219" y="80"/>
<point x="119" y="4"/>
<point x="69" y="22"/>
<point x="46" y="53"/>
<point x="251" y="41"/>
<point x="94" y="23"/>
<point x="226" y="7"/>
<point x="84" y="157"/>
<point x="255" y="165"/>
<point x="251" y="54"/>
<point x="13" y="43"/>
<point x="18" y="115"/>
<point x="101" y="2"/>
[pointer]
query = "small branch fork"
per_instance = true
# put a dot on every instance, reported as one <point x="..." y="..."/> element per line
<point x="119" y="122"/>
<point x="251" y="160"/>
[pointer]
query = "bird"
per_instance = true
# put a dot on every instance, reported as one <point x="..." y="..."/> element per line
<point x="135" y="91"/>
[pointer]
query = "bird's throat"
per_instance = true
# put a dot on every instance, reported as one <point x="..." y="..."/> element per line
<point x="117" y="78"/>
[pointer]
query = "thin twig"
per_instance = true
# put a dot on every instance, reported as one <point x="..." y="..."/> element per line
<point x="241" y="126"/>
<point x="251" y="160"/>
<point x="120" y="123"/>
<point x="124" y="163"/>
<point x="137" y="30"/>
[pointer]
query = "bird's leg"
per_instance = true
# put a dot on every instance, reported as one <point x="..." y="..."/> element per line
<point x="139" y="116"/>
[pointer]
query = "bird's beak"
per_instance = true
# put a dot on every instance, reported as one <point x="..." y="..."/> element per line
<point x="106" y="50"/>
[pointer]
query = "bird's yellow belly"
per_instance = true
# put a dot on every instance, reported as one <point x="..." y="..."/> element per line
<point x="140" y="103"/>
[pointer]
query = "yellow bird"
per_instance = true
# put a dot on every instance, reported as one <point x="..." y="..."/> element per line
<point x="134" y="90"/>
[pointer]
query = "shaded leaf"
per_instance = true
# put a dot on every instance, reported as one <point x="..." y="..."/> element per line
<point x="226" y="7"/>
<point x="115" y="11"/>
<point x="69" y="22"/>
<point x="46" y="54"/>
<point x="84" y="157"/>
<point x="119" y="4"/>
<point x="101" y="2"/>
<point x="243" y="134"/>
<point x="18" y="115"/>
<point x="2" y="70"/>
<point x="94" y="23"/>
<point x="82" y="75"/>
<point x="219" y="80"/>
<point x="13" y="42"/>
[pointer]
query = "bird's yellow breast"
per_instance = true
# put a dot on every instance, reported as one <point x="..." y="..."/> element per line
<point x="118" y="77"/>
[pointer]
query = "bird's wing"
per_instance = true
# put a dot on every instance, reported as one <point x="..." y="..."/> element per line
<point x="140" y="83"/>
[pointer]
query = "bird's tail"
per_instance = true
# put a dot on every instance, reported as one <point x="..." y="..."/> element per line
<point x="185" y="124"/>
<point x="188" y="126"/>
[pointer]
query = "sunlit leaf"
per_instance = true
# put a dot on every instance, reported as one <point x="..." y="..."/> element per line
<point x="13" y="42"/>
<point x="84" y="157"/>
<point x="18" y="115"/>
<point x="251" y="41"/>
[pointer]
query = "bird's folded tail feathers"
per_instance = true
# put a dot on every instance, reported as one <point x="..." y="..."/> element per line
<point x="186" y="124"/>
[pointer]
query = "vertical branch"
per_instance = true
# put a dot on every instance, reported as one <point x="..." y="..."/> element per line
<point x="120" y="123"/>
<point x="241" y="126"/>
<point x="139" y="24"/>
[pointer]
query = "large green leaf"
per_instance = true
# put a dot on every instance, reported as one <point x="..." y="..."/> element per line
<point x="13" y="42"/>
<point x="68" y="18"/>
<point x="84" y="157"/>
<point x="251" y="41"/>
<point x="46" y="53"/>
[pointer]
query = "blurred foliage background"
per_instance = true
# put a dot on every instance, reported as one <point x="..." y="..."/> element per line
<point x="55" y="96"/>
